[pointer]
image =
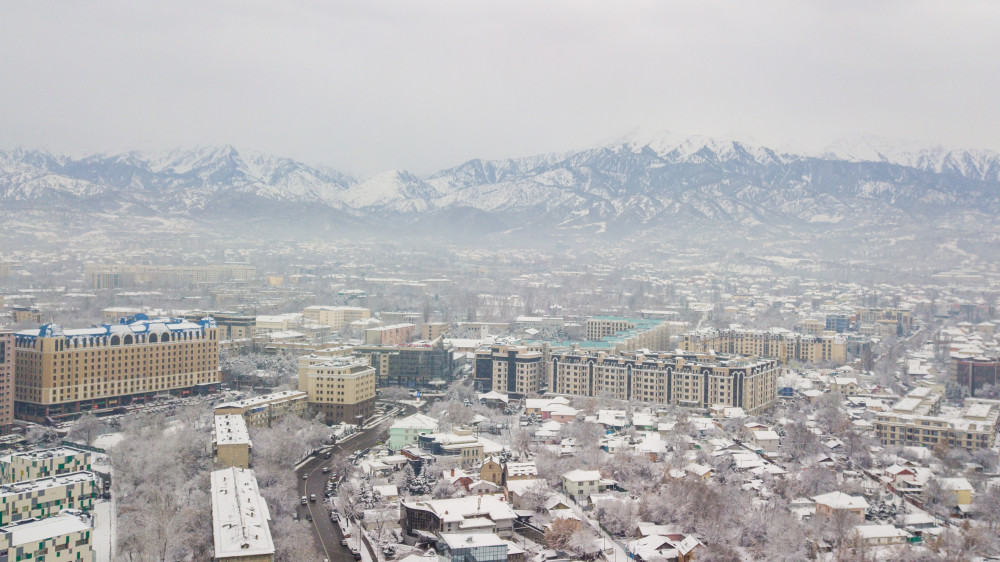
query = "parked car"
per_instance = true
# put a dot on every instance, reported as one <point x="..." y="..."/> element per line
<point x="304" y="500"/>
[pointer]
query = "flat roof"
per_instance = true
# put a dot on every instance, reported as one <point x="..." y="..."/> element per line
<point x="43" y="454"/>
<point x="265" y="399"/>
<point x="231" y="429"/>
<point x="47" y="482"/>
<point x="239" y="515"/>
<point x="38" y="530"/>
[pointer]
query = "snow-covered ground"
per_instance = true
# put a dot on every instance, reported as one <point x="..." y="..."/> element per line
<point x="103" y="531"/>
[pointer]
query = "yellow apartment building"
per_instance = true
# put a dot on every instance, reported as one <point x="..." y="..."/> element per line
<point x="267" y="410"/>
<point x="231" y="441"/>
<point x="336" y="317"/>
<point x="342" y="388"/>
<point x="782" y="345"/>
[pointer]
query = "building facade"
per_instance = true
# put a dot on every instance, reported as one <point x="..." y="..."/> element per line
<point x="231" y="441"/>
<point x="63" y="372"/>
<point x="684" y="379"/>
<point x="63" y="537"/>
<point x="336" y="317"/>
<point x="269" y="409"/>
<point x="782" y="345"/>
<point x="396" y="334"/>
<point x="7" y="364"/>
<point x="514" y="370"/>
<point x="341" y="388"/>
<point x="974" y="373"/>
<point x="975" y="428"/>
<point x="125" y="276"/>
<point x="21" y="466"/>
<point x="45" y="497"/>
<point x="413" y="365"/>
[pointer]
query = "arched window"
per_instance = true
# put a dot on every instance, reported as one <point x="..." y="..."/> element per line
<point x="115" y="340"/>
<point x="152" y="338"/>
<point x="128" y="339"/>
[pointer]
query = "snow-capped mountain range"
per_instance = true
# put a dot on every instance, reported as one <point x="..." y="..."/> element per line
<point x="662" y="180"/>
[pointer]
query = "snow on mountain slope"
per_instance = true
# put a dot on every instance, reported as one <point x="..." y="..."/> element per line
<point x="634" y="183"/>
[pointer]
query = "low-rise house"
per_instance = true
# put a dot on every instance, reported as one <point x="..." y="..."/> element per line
<point x="828" y="505"/>
<point x="765" y="440"/>
<point x="405" y="431"/>
<point x="581" y="484"/>
<point x="879" y="535"/>
<point x="960" y="487"/>
<point x="675" y="547"/>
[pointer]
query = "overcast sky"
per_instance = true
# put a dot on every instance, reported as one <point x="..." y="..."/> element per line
<point x="369" y="86"/>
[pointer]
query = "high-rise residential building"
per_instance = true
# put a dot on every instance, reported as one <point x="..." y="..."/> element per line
<point x="63" y="372"/>
<point x="783" y="345"/>
<point x="685" y="379"/>
<point x="336" y="317"/>
<point x="341" y="388"/>
<point x="7" y="364"/>
<point x="240" y="528"/>
<point x="510" y="369"/>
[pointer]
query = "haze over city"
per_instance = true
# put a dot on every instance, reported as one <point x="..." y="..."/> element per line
<point x="499" y="281"/>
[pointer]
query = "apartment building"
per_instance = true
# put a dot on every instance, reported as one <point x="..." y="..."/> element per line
<point x="336" y="317"/>
<point x="126" y="276"/>
<point x="231" y="441"/>
<point x="396" y="334"/>
<point x="44" y="497"/>
<point x="342" y="388"/>
<point x="778" y="344"/>
<point x="31" y="465"/>
<point x="629" y="334"/>
<point x="413" y="365"/>
<point x="7" y="363"/>
<point x="405" y="431"/>
<point x="63" y="537"/>
<point x="887" y="321"/>
<point x="25" y="314"/>
<point x="240" y="518"/>
<point x="514" y="370"/>
<point x="686" y="379"/>
<point x="913" y="421"/>
<point x="433" y="330"/>
<point x="267" y="410"/>
<point x="235" y="326"/>
<point x="63" y="372"/>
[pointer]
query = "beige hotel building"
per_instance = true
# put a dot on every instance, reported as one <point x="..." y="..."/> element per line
<point x="63" y="372"/>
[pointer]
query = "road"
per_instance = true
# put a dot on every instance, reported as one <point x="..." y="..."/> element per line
<point x="326" y="533"/>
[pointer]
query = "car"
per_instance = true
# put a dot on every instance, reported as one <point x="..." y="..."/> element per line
<point x="312" y="497"/>
<point x="327" y="455"/>
<point x="343" y="541"/>
<point x="304" y="500"/>
<point x="326" y="469"/>
<point x="334" y="516"/>
<point x="305" y="476"/>
<point x="309" y="517"/>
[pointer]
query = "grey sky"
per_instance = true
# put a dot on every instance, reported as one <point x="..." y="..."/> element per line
<point x="422" y="85"/>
